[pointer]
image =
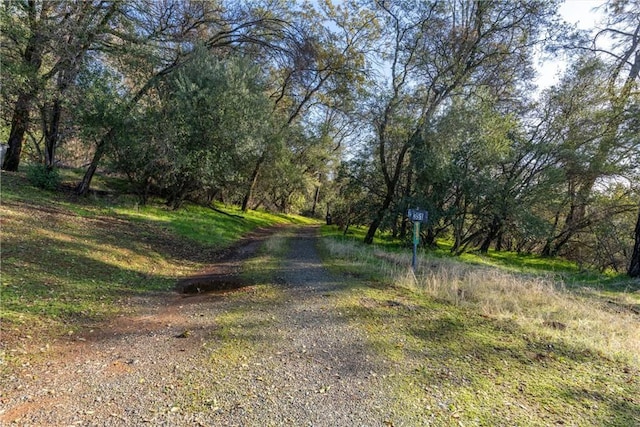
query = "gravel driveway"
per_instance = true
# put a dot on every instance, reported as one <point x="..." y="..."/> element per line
<point x="268" y="355"/>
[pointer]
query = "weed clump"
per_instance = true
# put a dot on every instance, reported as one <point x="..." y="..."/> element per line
<point x="43" y="177"/>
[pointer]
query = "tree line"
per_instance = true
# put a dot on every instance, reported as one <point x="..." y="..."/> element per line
<point x="363" y="108"/>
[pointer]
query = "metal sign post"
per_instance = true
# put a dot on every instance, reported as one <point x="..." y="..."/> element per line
<point x="416" y="240"/>
<point x="416" y="216"/>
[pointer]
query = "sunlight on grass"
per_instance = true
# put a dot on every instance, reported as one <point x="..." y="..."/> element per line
<point x="68" y="263"/>
<point x="478" y="345"/>
<point x="541" y="304"/>
<point x="208" y="226"/>
<point x="358" y="233"/>
<point x="510" y="261"/>
<point x="521" y="262"/>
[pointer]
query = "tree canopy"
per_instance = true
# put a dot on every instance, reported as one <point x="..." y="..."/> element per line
<point x="360" y="108"/>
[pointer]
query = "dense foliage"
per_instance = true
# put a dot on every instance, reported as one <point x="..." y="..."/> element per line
<point x="362" y="108"/>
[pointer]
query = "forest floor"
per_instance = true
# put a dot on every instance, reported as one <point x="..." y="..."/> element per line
<point x="252" y="355"/>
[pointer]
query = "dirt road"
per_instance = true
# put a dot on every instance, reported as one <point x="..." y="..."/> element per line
<point x="270" y="354"/>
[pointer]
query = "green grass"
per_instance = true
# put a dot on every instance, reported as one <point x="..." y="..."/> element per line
<point x="206" y="226"/>
<point x="500" y="373"/>
<point x="466" y="352"/>
<point x="569" y="272"/>
<point x="456" y="366"/>
<point x="70" y="262"/>
<point x="358" y="233"/>
<point x="525" y="263"/>
<point x="471" y="346"/>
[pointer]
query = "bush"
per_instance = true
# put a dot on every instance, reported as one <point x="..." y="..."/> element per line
<point x="42" y="177"/>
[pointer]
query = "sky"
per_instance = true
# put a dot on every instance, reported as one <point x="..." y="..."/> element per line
<point x="582" y="14"/>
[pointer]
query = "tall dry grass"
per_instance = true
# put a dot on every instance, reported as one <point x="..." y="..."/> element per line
<point x="539" y="303"/>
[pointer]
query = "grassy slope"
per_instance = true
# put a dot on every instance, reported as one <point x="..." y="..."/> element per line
<point x="475" y="345"/>
<point x="67" y="263"/>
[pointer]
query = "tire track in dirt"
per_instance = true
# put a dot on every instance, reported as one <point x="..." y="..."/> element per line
<point x="56" y="386"/>
<point x="304" y="364"/>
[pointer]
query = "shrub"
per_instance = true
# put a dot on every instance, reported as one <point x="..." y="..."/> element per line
<point x="42" y="177"/>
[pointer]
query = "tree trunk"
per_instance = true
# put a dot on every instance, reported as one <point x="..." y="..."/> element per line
<point x="405" y="205"/>
<point x="499" y="241"/>
<point x="316" y="197"/>
<point x="346" y="227"/>
<point x="574" y="221"/>
<point x="32" y="59"/>
<point x="494" y="231"/>
<point x="19" y="123"/>
<point x="368" y="239"/>
<point x="486" y="244"/>
<point x="391" y="183"/>
<point x="546" y="250"/>
<point x="458" y="224"/>
<point x="430" y="237"/>
<point x="51" y="130"/>
<point x="634" y="265"/>
<point x="83" y="187"/>
<point x="252" y="183"/>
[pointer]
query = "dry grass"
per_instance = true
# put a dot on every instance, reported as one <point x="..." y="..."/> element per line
<point x="541" y="304"/>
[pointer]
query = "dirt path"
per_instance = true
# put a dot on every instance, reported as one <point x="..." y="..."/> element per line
<point x="277" y="354"/>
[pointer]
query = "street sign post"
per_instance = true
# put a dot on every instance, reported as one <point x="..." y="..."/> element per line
<point x="416" y="216"/>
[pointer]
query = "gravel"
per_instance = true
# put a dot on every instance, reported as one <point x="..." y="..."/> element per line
<point x="259" y="356"/>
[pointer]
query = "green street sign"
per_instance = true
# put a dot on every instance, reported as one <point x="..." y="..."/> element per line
<point x="416" y="233"/>
<point x="416" y="216"/>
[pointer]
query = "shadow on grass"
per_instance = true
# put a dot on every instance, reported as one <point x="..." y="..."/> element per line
<point x="619" y="409"/>
<point x="61" y="267"/>
<point x="485" y="363"/>
<point x="62" y="280"/>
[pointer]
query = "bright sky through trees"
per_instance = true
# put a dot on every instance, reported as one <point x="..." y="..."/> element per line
<point x="585" y="15"/>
